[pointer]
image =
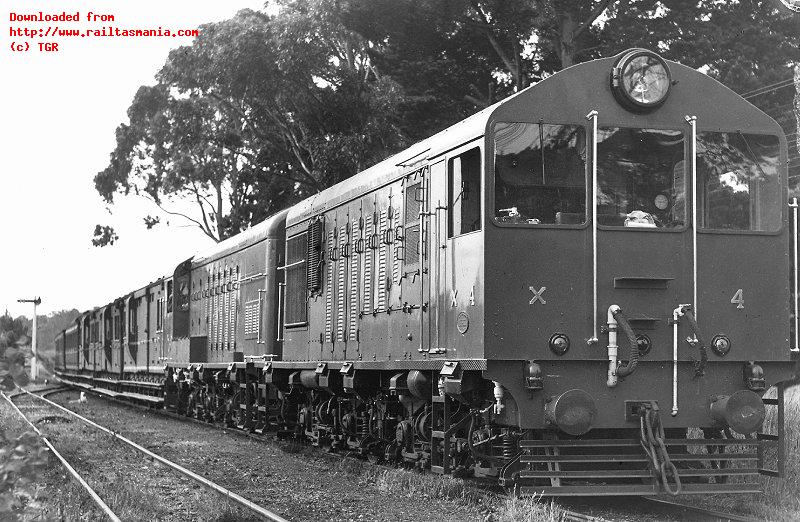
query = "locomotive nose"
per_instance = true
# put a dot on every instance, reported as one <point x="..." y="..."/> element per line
<point x="743" y="411"/>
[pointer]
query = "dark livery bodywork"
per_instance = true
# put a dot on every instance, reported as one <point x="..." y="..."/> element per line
<point x="521" y="296"/>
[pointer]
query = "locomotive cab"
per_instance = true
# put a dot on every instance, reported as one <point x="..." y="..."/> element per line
<point x="635" y="208"/>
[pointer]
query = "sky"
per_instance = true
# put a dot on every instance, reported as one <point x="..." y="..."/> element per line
<point x="59" y="113"/>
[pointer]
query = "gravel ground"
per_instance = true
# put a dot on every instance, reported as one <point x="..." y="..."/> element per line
<point x="294" y="481"/>
<point x="133" y="487"/>
<point x="298" y="482"/>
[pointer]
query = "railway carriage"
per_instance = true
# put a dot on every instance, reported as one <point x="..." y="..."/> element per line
<point x="550" y="293"/>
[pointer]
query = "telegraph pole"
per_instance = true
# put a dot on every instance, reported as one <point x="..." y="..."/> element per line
<point x="34" y="363"/>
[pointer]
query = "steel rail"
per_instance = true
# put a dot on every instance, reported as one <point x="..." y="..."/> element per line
<point x="265" y="513"/>
<point x="75" y="475"/>
<point x="716" y="515"/>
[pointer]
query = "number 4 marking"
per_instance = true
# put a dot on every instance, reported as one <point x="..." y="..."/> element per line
<point x="738" y="299"/>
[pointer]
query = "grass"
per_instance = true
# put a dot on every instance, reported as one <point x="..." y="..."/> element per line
<point x="413" y="484"/>
<point x="781" y="497"/>
<point x="780" y="500"/>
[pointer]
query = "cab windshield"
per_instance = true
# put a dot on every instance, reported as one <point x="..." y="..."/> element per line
<point x="641" y="178"/>
<point x="540" y="174"/>
<point x="739" y="183"/>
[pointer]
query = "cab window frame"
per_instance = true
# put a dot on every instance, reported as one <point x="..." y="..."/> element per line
<point x="450" y="232"/>
<point x="492" y="176"/>
<point x="687" y="182"/>
<point x="782" y="182"/>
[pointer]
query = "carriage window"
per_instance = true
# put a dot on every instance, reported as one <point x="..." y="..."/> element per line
<point x="464" y="189"/>
<point x="540" y="174"/>
<point x="640" y="173"/>
<point x="738" y="181"/>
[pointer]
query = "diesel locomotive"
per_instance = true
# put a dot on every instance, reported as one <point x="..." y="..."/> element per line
<point x="583" y="289"/>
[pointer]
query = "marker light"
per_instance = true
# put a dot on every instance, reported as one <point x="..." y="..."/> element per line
<point x="640" y="80"/>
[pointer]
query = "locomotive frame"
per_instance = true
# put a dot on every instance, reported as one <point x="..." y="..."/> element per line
<point x="404" y="315"/>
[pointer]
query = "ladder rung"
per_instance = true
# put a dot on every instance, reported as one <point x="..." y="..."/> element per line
<point x="582" y="458"/>
<point x="577" y="442"/>
<point x="716" y="472"/>
<point x="681" y="457"/>
<point x="610" y="473"/>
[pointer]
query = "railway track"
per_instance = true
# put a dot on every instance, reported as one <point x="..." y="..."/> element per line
<point x="703" y="514"/>
<point x="229" y="495"/>
<point x="602" y="508"/>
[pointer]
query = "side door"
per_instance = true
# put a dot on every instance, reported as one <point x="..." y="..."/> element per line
<point x="415" y="271"/>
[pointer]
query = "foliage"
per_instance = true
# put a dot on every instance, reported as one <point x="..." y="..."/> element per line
<point x="21" y="461"/>
<point x="14" y="346"/>
<point x="104" y="235"/>
<point x="47" y="327"/>
<point x="261" y="110"/>
<point x="255" y="114"/>
<point x="23" y="457"/>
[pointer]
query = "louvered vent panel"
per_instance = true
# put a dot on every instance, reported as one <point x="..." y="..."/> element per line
<point x="366" y="302"/>
<point x="234" y="307"/>
<point x="226" y="306"/>
<point x="381" y="300"/>
<point x="411" y="244"/>
<point x="296" y="280"/>
<point x="341" y="288"/>
<point x="329" y="287"/>
<point x="412" y="205"/>
<point x="355" y="259"/>
<point x="252" y="318"/>
<point x="212" y="297"/>
<point x="393" y="250"/>
<point x="315" y="247"/>
<point x="220" y="311"/>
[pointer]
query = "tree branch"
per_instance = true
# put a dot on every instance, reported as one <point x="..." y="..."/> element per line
<point x="180" y="214"/>
<point x="594" y="15"/>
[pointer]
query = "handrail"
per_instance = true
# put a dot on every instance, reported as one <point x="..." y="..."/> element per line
<point x="796" y="298"/>
<point x="593" y="117"/>
<point x="692" y="121"/>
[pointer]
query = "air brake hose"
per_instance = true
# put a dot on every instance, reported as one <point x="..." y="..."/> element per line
<point x="699" y="366"/>
<point x="477" y="455"/>
<point x="633" y="358"/>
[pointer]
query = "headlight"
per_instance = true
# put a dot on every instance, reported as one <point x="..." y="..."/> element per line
<point x="640" y="80"/>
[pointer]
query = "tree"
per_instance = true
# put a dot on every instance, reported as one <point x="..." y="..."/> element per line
<point x="255" y="114"/>
<point x="24" y="457"/>
<point x="262" y="111"/>
<point x="14" y="347"/>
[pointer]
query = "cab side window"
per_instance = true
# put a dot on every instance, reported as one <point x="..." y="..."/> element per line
<point x="464" y="193"/>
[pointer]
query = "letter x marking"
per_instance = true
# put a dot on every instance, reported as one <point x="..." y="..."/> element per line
<point x="453" y="299"/>
<point x="537" y="294"/>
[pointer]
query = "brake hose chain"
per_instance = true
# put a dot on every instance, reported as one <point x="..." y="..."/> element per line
<point x="652" y="440"/>
<point x="699" y="366"/>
